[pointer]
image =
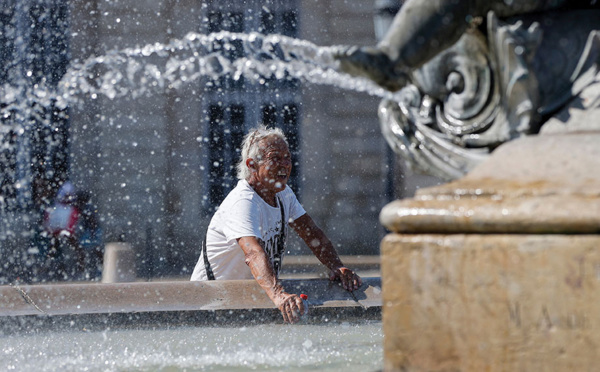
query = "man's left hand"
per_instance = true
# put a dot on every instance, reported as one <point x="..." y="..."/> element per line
<point x="349" y="279"/>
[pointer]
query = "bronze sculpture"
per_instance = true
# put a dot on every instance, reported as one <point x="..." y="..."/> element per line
<point x="472" y="75"/>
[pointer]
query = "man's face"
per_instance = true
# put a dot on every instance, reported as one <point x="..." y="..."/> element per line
<point x="275" y="166"/>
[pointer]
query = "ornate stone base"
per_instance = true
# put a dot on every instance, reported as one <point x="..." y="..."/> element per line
<point x="491" y="302"/>
<point x="499" y="271"/>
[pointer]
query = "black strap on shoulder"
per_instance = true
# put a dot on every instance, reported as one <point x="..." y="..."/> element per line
<point x="280" y="241"/>
<point x="282" y="215"/>
<point x="209" y="272"/>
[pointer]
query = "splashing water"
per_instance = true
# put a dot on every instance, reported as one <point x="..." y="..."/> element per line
<point x="348" y="347"/>
<point x="28" y="111"/>
<point x="156" y="67"/>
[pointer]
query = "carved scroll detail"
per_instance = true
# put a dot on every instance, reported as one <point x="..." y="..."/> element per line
<point x="466" y="101"/>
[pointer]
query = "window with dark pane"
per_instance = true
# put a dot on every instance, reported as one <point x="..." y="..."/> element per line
<point x="226" y="135"/>
<point x="7" y="45"/>
<point x="234" y="49"/>
<point x="36" y="58"/>
<point x="234" y="117"/>
<point x="214" y="21"/>
<point x="267" y="22"/>
<point x="8" y="171"/>
<point x="269" y="115"/>
<point x="289" y="23"/>
<point x="216" y="156"/>
<point x="238" y="118"/>
<point x="234" y="52"/>
<point x="233" y="21"/>
<point x="289" y="126"/>
<point x="215" y="24"/>
<point x="57" y="60"/>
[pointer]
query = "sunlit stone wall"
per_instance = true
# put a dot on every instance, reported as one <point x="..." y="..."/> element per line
<point x="142" y="159"/>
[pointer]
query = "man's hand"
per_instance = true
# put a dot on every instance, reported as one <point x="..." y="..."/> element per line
<point x="350" y="281"/>
<point x="323" y="249"/>
<point x="291" y="307"/>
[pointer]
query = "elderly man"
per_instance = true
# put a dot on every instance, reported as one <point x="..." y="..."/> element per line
<point x="246" y="236"/>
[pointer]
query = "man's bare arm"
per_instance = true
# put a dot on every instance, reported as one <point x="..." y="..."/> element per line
<point x="290" y="305"/>
<point x="323" y="249"/>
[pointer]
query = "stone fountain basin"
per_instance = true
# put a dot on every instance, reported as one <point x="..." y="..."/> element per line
<point x="94" y="305"/>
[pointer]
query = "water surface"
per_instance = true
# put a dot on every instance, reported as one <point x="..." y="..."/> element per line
<point x="268" y="347"/>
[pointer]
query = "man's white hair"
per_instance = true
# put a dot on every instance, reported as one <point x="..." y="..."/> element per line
<point x="252" y="150"/>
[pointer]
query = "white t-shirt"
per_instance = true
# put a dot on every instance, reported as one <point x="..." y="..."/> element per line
<point x="245" y="213"/>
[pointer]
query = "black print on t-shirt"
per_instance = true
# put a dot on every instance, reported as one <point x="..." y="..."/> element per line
<point x="274" y="248"/>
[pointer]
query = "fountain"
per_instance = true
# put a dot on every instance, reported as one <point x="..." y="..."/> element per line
<point x="493" y="271"/>
<point x="496" y="270"/>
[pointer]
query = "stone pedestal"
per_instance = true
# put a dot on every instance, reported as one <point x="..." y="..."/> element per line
<point x="499" y="271"/>
<point x="119" y="263"/>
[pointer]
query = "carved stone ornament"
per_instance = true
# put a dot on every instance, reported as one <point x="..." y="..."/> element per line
<point x="484" y="91"/>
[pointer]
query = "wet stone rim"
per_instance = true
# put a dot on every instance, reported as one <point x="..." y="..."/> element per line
<point x="166" y="304"/>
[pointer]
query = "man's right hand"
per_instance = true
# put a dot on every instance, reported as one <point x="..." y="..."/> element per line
<point x="291" y="307"/>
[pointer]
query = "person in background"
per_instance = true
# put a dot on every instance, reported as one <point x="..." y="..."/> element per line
<point x="247" y="234"/>
<point x="60" y="221"/>
<point x="89" y="235"/>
